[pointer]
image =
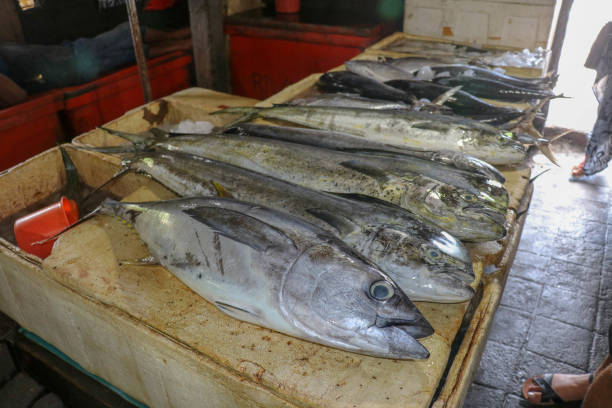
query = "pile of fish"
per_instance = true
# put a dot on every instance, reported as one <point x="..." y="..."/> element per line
<point x="468" y="53"/>
<point x="329" y="231"/>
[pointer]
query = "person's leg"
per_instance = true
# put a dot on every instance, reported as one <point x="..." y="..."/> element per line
<point x="555" y="388"/>
<point x="599" y="394"/>
<point x="157" y="49"/>
<point x="153" y="35"/>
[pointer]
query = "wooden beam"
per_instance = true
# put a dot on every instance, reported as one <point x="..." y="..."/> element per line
<point x="10" y="25"/>
<point x="559" y="37"/>
<point x="141" y="59"/>
<point x="206" y="19"/>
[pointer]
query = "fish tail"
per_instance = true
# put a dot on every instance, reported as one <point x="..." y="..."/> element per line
<point x="545" y="149"/>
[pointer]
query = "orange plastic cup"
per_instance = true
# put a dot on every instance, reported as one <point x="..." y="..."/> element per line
<point x="43" y="224"/>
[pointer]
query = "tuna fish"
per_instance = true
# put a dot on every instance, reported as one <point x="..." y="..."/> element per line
<point x="428" y="264"/>
<point x="273" y="270"/>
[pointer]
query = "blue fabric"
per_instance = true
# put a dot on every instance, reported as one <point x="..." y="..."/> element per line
<point x="41" y="67"/>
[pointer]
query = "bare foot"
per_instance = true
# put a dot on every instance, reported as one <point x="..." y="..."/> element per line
<point x="568" y="387"/>
<point x="578" y="170"/>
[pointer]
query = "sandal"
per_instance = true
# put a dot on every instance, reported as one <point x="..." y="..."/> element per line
<point x="549" y="397"/>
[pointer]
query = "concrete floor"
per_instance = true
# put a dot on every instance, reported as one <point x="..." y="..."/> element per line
<point x="557" y="304"/>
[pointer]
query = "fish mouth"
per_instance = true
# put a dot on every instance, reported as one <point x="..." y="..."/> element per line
<point x="416" y="329"/>
<point x="402" y="345"/>
<point x="451" y="246"/>
<point x="496" y="216"/>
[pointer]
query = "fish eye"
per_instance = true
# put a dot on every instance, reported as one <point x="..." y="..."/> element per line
<point x="434" y="254"/>
<point x="470" y="198"/>
<point x="381" y="290"/>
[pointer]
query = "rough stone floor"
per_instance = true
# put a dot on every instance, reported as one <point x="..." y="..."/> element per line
<point x="557" y="304"/>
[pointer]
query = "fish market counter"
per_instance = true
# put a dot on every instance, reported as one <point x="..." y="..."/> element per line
<point x="141" y="329"/>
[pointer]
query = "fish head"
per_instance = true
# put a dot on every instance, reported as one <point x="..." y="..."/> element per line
<point x="336" y="295"/>
<point x="462" y="213"/>
<point x="428" y="264"/>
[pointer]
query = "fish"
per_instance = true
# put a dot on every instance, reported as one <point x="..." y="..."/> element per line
<point x="461" y="102"/>
<point x="454" y="70"/>
<point x="464" y="215"/>
<point x="350" y="143"/>
<point x="415" y="130"/>
<point x="443" y="67"/>
<point x="494" y="89"/>
<point x="348" y="100"/>
<point x="349" y="82"/>
<point x="427" y="263"/>
<point x="270" y="269"/>
<point x="377" y="70"/>
<point x="482" y="186"/>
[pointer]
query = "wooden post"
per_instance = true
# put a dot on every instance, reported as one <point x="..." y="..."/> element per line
<point x="206" y="18"/>
<point x="10" y="26"/>
<point x="141" y="59"/>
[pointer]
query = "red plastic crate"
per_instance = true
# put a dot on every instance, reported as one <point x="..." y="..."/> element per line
<point x="270" y="52"/>
<point x="30" y="128"/>
<point x="95" y="103"/>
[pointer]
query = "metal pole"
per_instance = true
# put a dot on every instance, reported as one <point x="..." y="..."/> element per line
<point x="141" y="60"/>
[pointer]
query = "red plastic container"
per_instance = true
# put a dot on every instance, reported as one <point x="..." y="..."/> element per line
<point x="43" y="224"/>
<point x="30" y="128"/>
<point x="287" y="6"/>
<point x="100" y="101"/>
<point x="270" y="52"/>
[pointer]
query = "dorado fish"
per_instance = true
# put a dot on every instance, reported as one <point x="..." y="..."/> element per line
<point x="416" y="130"/>
<point x="428" y="264"/>
<point x="462" y="214"/>
<point x="350" y="143"/>
<point x="273" y="270"/>
<point x="488" y="190"/>
<point x="348" y="100"/>
<point x="462" y="103"/>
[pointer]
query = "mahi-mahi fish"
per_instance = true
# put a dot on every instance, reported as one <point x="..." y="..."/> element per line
<point x="416" y="130"/>
<point x="464" y="215"/>
<point x="273" y="270"/>
<point x="487" y="189"/>
<point x="427" y="263"/>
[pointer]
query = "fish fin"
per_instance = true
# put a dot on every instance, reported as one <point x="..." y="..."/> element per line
<point x="132" y="137"/>
<point x="73" y="184"/>
<point x="531" y="180"/>
<point x="545" y="149"/>
<point x="366" y="199"/>
<point x="429" y="126"/>
<point x="366" y="169"/>
<point x="159" y="133"/>
<point x="342" y="224"/>
<point x="237" y="312"/>
<point x="221" y="191"/>
<point x="443" y="98"/>
<point x="242" y="228"/>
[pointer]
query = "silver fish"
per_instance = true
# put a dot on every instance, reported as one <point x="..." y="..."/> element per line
<point x="267" y="268"/>
<point x="428" y="264"/>
<point x="379" y="71"/>
<point x="350" y="143"/>
<point x="403" y="128"/>
<point x="457" y="211"/>
<point x="348" y="100"/>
